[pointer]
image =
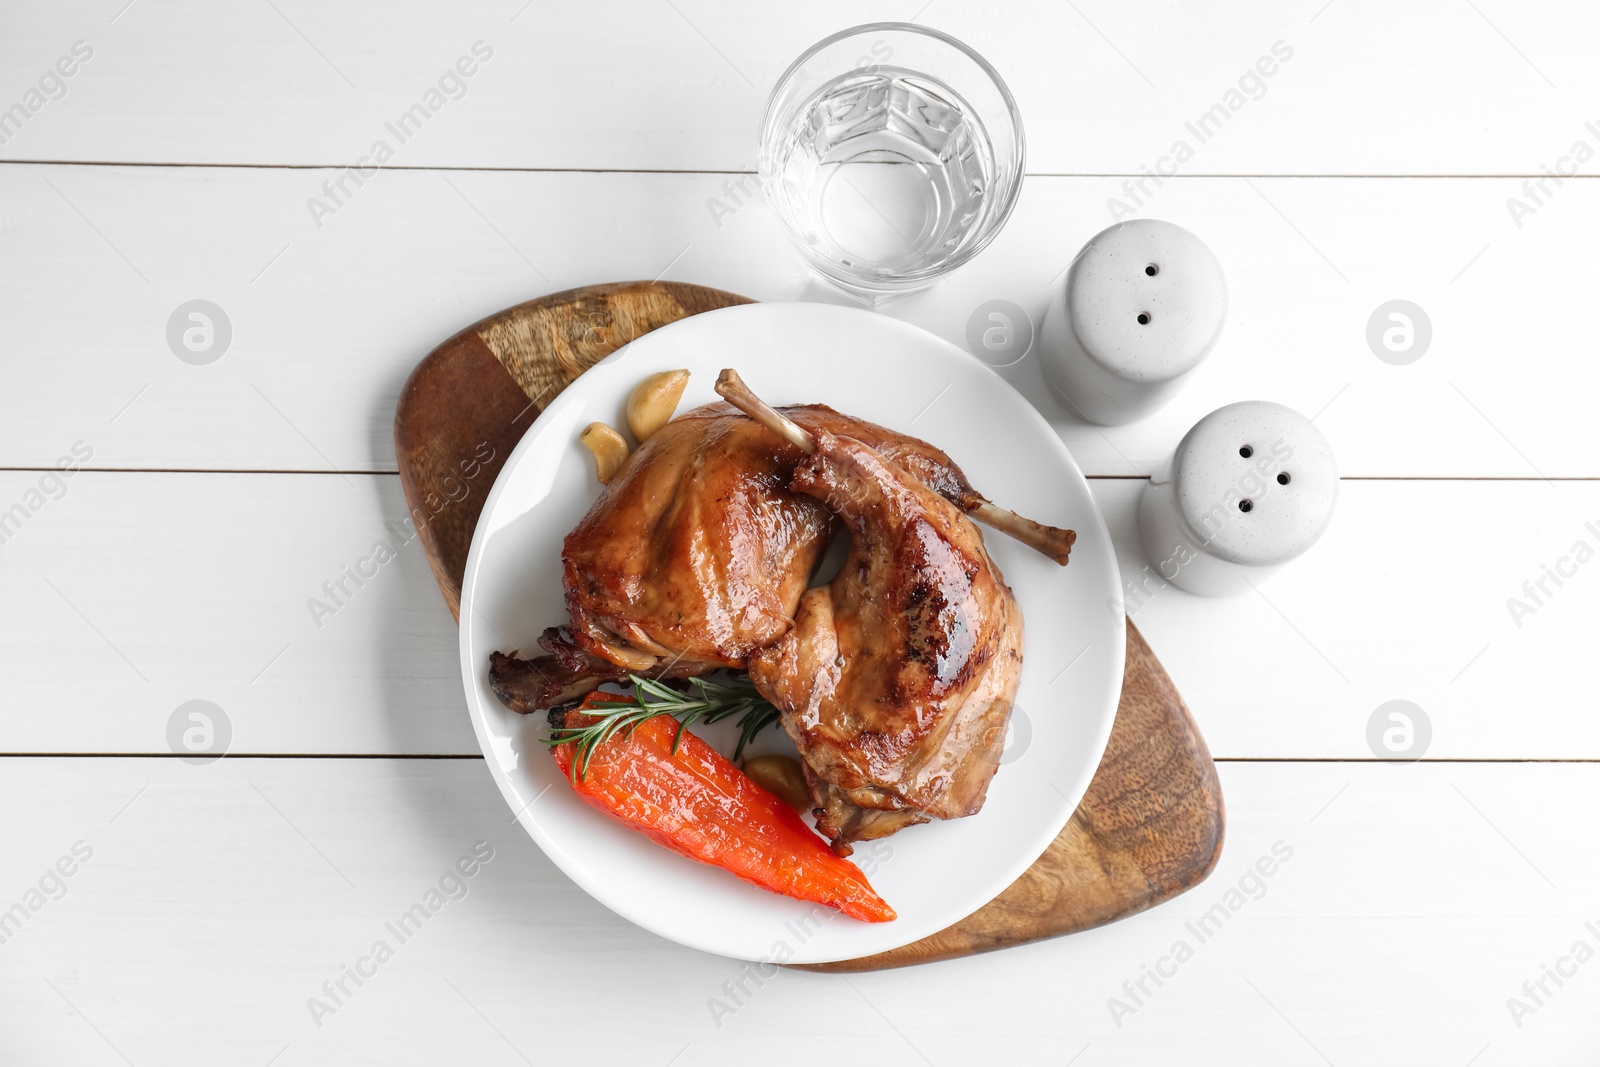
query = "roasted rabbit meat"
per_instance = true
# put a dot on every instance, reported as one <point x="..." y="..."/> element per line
<point x="897" y="679"/>
<point x="695" y="556"/>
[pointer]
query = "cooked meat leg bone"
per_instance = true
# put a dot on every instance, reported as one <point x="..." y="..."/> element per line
<point x="1047" y="540"/>
<point x="731" y="388"/>
<point x="898" y="677"/>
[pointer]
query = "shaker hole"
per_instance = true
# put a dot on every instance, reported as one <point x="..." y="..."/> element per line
<point x="1152" y="269"/>
<point x="1246" y="504"/>
<point x="1246" y="451"/>
<point x="1283" y="477"/>
<point x="1144" y="318"/>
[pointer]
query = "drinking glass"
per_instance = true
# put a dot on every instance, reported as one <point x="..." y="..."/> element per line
<point x="892" y="154"/>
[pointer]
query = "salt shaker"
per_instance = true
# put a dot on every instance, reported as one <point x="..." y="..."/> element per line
<point x="1143" y="305"/>
<point x="1249" y="488"/>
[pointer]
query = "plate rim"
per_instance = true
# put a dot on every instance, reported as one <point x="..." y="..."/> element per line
<point x="472" y="671"/>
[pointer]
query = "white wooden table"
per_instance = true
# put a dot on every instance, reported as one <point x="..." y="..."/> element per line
<point x="1385" y="159"/>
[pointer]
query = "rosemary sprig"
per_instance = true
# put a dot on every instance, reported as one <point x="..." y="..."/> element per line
<point x="716" y="701"/>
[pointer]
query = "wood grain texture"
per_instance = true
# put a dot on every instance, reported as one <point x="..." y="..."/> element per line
<point x="1149" y="828"/>
<point x="1151" y="824"/>
<point x="543" y="344"/>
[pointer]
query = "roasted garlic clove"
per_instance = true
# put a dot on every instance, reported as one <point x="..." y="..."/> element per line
<point x="782" y="777"/>
<point x="654" y="401"/>
<point x="610" y="451"/>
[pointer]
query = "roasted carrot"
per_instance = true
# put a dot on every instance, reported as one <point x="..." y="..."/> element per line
<point x="696" y="803"/>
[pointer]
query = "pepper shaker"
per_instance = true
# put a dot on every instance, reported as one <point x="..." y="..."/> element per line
<point x="1143" y="305"/>
<point x="1250" y="487"/>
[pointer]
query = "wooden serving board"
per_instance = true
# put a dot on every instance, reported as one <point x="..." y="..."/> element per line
<point x="1150" y="826"/>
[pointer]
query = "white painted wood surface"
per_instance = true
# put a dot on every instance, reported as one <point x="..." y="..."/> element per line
<point x="1377" y="165"/>
<point x="1414" y="902"/>
<point x="1433" y="87"/>
<point x="151" y="589"/>
<point x="415" y="256"/>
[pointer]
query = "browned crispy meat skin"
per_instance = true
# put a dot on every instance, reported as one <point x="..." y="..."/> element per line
<point x="698" y="551"/>
<point x="529" y="686"/>
<point x="696" y="555"/>
<point x="897" y="679"/>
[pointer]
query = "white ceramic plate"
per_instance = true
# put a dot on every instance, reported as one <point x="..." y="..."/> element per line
<point x="877" y="368"/>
